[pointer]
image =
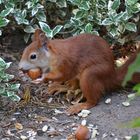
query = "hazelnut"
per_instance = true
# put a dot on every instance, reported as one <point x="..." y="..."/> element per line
<point x="34" y="73"/>
<point x="82" y="133"/>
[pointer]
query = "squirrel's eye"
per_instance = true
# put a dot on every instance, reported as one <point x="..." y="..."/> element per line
<point x="33" y="56"/>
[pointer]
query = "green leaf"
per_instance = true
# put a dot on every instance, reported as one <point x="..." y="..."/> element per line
<point x="131" y="26"/>
<point x="26" y="37"/>
<point x="29" y="4"/>
<point x="107" y="21"/>
<point x="3" y="22"/>
<point x="45" y="27"/>
<point x="56" y="30"/>
<point x="115" y="4"/>
<point x="88" y="28"/>
<point x="135" y="137"/>
<point x="6" y="12"/>
<point x="95" y="33"/>
<point x="131" y="2"/>
<point x="8" y="65"/>
<point x="61" y="3"/>
<point x="34" y="10"/>
<point x="29" y="29"/>
<point x="1" y="1"/>
<point x="14" y="86"/>
<point x="80" y="14"/>
<point x="24" y="13"/>
<point x="135" y="123"/>
<point x="20" y="17"/>
<point x="85" y="5"/>
<point x="134" y="67"/>
<point x="12" y="96"/>
<point x="41" y="16"/>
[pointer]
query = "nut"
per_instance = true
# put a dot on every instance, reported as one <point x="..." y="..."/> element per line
<point x="34" y="73"/>
<point x="82" y="133"/>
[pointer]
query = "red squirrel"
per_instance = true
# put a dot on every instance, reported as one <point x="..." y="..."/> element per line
<point x="85" y="59"/>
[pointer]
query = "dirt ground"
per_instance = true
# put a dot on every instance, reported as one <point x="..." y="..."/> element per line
<point x="44" y="118"/>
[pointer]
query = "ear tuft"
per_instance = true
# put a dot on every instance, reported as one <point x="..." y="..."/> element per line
<point x="43" y="39"/>
<point x="36" y="34"/>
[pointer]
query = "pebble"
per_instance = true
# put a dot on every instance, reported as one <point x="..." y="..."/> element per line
<point x="84" y="113"/>
<point x="108" y="101"/>
<point x="84" y="122"/>
<point x="45" y="128"/>
<point x="23" y="137"/>
<point x="94" y="133"/>
<point x="126" y="104"/>
<point x="127" y="137"/>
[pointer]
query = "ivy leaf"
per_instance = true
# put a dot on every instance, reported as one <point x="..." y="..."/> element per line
<point x="26" y="37"/>
<point x="41" y="16"/>
<point x="61" y="3"/>
<point x="113" y="31"/>
<point x="34" y="10"/>
<point x="57" y="29"/>
<point x="95" y="33"/>
<point x="131" y="2"/>
<point x="115" y="4"/>
<point x="88" y="28"/>
<point x="3" y="22"/>
<point x="6" y="12"/>
<point x="45" y="27"/>
<point x="131" y="26"/>
<point x="84" y="5"/>
<point x="80" y="14"/>
<point x="29" y="29"/>
<point x="107" y="21"/>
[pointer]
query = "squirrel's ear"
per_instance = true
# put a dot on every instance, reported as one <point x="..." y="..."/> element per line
<point x="37" y="34"/>
<point x="43" y="39"/>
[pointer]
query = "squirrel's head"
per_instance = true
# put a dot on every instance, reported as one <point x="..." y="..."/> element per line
<point x="36" y="55"/>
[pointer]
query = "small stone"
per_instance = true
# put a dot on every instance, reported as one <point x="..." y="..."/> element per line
<point x="58" y="111"/>
<point x="9" y="132"/>
<point x="17" y="113"/>
<point x="108" y="101"/>
<point x="32" y="138"/>
<point x="127" y="137"/>
<point x="131" y="96"/>
<point x="45" y="128"/>
<point x="112" y="135"/>
<point x="84" y="122"/>
<point x="50" y="100"/>
<point x="29" y="115"/>
<point x="13" y="119"/>
<point x="31" y="133"/>
<point x="23" y="137"/>
<point x="84" y="113"/>
<point x="55" y="119"/>
<point x="94" y="133"/>
<point x="126" y="104"/>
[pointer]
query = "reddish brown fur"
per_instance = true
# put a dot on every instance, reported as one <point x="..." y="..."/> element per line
<point x="86" y="58"/>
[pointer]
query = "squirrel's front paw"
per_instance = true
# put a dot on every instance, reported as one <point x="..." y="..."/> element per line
<point x="38" y="81"/>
